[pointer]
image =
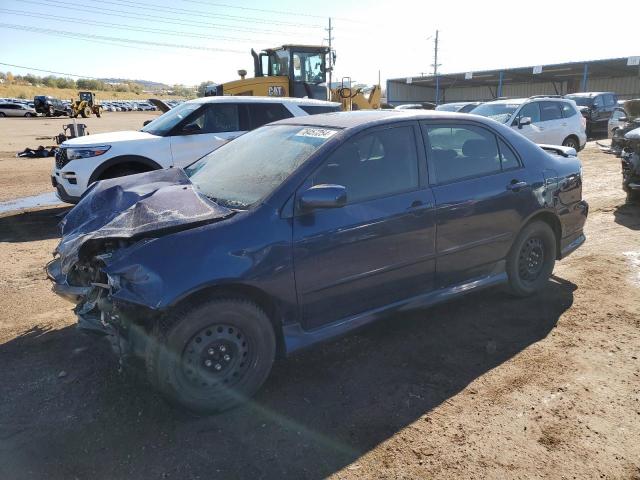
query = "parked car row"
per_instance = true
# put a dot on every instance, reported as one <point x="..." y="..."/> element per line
<point x="306" y="227"/>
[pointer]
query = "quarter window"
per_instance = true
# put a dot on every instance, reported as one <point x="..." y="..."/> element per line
<point x="373" y="165"/>
<point x="508" y="158"/>
<point x="462" y="151"/>
<point x="550" y="111"/>
<point x="567" y="110"/>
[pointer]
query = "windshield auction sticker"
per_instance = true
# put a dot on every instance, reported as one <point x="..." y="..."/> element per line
<point x="316" y="132"/>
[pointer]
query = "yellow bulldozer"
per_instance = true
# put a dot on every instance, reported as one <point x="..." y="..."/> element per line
<point x="296" y="71"/>
<point x="85" y="105"/>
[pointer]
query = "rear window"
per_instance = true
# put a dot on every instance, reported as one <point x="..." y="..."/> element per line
<point x="550" y="111"/>
<point x="263" y="113"/>
<point x="317" y="109"/>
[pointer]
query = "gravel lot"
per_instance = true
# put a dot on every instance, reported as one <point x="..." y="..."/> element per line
<point x="484" y="387"/>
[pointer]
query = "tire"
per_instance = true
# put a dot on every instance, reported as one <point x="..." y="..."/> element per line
<point x="2" y="114"/>
<point x="572" y="142"/>
<point x="51" y="112"/>
<point x="229" y="342"/>
<point x="99" y="113"/>
<point x="633" y="197"/>
<point x="86" y="112"/>
<point x="531" y="259"/>
<point x="116" y="172"/>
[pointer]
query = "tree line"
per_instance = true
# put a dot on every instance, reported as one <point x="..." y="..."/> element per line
<point x="65" y="82"/>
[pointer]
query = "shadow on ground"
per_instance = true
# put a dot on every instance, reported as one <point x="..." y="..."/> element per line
<point x="33" y="225"/>
<point x="628" y="215"/>
<point x="319" y="411"/>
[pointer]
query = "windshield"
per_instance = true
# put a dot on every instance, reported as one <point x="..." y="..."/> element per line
<point x="500" y="112"/>
<point x="165" y="122"/>
<point x="581" y="101"/>
<point x="242" y="172"/>
<point x="308" y="67"/>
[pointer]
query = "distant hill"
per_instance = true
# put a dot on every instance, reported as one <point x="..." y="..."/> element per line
<point x="146" y="84"/>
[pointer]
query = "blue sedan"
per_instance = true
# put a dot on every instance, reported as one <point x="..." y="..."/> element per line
<point x="305" y="229"/>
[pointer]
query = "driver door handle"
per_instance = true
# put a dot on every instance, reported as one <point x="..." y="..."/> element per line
<point x="516" y="185"/>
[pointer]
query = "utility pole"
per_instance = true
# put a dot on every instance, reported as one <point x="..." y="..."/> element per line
<point x="330" y="39"/>
<point x="435" y="66"/>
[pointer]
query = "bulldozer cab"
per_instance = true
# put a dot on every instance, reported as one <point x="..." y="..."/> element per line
<point x="303" y="65"/>
<point x="88" y="97"/>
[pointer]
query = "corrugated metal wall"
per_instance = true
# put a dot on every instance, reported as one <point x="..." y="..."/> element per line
<point x="397" y="92"/>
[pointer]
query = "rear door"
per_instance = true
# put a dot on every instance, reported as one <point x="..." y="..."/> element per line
<point x="553" y="125"/>
<point x="207" y="129"/>
<point x="262" y="113"/>
<point x="482" y="193"/>
<point x="380" y="247"/>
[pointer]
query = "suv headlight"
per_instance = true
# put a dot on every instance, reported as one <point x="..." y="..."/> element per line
<point x="86" y="152"/>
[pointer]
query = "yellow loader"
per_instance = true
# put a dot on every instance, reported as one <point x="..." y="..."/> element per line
<point x="295" y="71"/>
<point x="85" y="105"/>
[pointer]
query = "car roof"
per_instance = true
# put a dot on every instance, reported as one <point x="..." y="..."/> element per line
<point x="365" y="117"/>
<point x="252" y="99"/>
<point x="588" y="94"/>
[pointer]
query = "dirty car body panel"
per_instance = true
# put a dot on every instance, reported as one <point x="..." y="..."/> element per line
<point x="135" y="249"/>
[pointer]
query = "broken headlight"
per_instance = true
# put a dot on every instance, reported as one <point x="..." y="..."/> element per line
<point x="86" y="152"/>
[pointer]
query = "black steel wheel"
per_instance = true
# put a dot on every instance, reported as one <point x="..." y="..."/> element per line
<point x="531" y="259"/>
<point x="215" y="355"/>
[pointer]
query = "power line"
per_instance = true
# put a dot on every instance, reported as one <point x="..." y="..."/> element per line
<point x="263" y="10"/>
<point x="22" y="13"/>
<point x="184" y="11"/>
<point x="48" y="71"/>
<point x="114" y="39"/>
<point x="135" y="16"/>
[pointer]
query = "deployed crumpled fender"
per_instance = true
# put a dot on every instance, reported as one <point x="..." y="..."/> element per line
<point x="134" y="206"/>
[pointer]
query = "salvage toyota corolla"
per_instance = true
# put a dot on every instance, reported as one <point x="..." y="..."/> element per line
<point x="305" y="229"/>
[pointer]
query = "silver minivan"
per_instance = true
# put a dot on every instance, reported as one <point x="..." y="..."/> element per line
<point x="16" y="110"/>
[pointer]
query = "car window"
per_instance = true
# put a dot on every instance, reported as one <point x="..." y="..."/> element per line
<point x="609" y="101"/>
<point x="263" y="113"/>
<point x="618" y="113"/>
<point x="531" y="110"/>
<point x="462" y="151"/>
<point x="317" y="109"/>
<point x="598" y="102"/>
<point x="508" y="158"/>
<point x="218" y="118"/>
<point x="373" y="165"/>
<point x="568" y="110"/>
<point x="550" y="111"/>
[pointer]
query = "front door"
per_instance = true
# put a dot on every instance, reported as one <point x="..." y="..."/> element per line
<point x="213" y="126"/>
<point x="377" y="249"/>
<point x="482" y="195"/>
<point x="534" y="132"/>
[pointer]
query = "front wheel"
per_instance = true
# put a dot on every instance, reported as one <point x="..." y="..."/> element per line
<point x="2" y="114"/>
<point x="531" y="259"/>
<point x="216" y="355"/>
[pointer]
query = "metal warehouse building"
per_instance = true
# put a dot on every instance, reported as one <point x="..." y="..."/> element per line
<point x="620" y="75"/>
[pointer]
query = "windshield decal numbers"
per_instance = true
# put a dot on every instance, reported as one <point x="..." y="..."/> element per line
<point x="316" y="132"/>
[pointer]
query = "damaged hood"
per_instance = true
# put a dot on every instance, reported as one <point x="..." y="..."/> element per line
<point x="133" y="206"/>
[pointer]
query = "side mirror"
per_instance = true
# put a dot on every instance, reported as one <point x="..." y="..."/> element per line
<point x="191" y="128"/>
<point x="147" y="122"/>
<point x="524" y="121"/>
<point x="323" y="196"/>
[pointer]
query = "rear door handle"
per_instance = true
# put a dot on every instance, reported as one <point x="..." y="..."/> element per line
<point x="516" y="185"/>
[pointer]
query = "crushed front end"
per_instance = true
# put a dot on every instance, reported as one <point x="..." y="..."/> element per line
<point x="630" y="159"/>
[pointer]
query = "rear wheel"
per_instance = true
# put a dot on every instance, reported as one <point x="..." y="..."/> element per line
<point x="531" y="259"/>
<point x="2" y="114"/>
<point x="216" y="354"/>
<point x="51" y="112"/>
<point x="86" y="112"/>
<point x="571" y="142"/>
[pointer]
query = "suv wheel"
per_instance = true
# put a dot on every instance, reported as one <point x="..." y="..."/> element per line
<point x="215" y="355"/>
<point x="571" y="142"/>
<point x="531" y="259"/>
<point x="51" y="112"/>
<point x="2" y="114"/>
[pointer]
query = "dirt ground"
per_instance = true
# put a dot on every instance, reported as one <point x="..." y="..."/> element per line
<point x="30" y="176"/>
<point x="484" y="387"/>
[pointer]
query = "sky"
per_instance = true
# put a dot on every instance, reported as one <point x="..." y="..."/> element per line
<point x="191" y="41"/>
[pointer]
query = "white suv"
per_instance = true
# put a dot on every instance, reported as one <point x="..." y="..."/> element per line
<point x="543" y="120"/>
<point x="177" y="138"/>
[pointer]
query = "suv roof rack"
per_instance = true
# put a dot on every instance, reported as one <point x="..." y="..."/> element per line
<point x="545" y="96"/>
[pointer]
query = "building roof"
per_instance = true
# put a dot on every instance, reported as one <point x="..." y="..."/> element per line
<point x="614" y="67"/>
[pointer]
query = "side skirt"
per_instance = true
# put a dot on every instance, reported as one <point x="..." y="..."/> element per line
<point x="296" y="338"/>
